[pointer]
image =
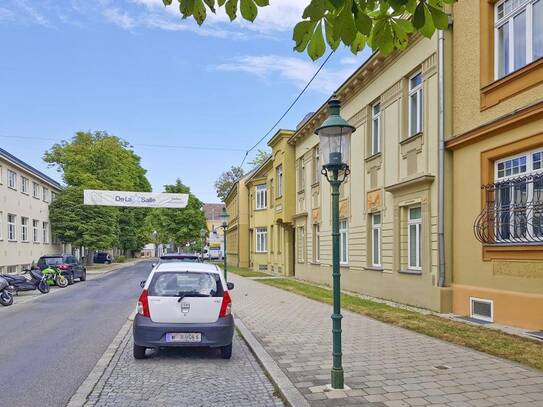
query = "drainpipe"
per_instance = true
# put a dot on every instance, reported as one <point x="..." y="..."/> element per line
<point x="441" y="160"/>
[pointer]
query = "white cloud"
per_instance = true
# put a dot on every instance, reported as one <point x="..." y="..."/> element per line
<point x="280" y="15"/>
<point x="32" y="13"/>
<point x="294" y="70"/>
<point x="119" y="18"/>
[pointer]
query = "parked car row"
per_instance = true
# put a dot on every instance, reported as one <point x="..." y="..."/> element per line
<point x="60" y="270"/>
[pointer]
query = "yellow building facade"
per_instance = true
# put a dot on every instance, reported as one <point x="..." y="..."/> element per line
<point x="271" y="196"/>
<point x="237" y="234"/>
<point x="497" y="144"/>
<point x="389" y="202"/>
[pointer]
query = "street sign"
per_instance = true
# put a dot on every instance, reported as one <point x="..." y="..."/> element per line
<point x="135" y="199"/>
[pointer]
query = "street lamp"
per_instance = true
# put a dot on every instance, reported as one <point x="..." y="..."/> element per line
<point x="224" y="218"/>
<point x="155" y="235"/>
<point x="334" y="135"/>
<point x="202" y="236"/>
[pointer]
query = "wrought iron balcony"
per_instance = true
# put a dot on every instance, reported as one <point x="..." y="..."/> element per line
<point x="513" y="212"/>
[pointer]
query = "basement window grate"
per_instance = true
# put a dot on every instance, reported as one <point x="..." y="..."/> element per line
<point x="263" y="267"/>
<point x="482" y="309"/>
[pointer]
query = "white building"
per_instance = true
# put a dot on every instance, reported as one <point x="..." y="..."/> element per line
<point x="25" y="231"/>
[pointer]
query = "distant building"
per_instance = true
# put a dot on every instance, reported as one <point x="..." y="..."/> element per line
<point x="25" y="230"/>
<point x="215" y="239"/>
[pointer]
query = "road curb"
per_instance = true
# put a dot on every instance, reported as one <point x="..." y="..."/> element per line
<point x="79" y="398"/>
<point x="290" y="393"/>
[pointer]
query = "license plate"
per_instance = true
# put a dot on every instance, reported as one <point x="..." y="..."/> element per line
<point x="186" y="337"/>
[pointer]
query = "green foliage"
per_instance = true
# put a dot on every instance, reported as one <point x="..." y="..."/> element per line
<point x="384" y="25"/>
<point x="226" y="180"/>
<point x="95" y="227"/>
<point x="260" y="158"/>
<point x="179" y="226"/>
<point x="97" y="160"/>
<point x="119" y="259"/>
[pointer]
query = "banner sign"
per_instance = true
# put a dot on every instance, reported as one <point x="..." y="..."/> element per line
<point x="135" y="199"/>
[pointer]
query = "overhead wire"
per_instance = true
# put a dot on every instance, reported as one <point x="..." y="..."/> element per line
<point x="288" y="109"/>
<point x="186" y="147"/>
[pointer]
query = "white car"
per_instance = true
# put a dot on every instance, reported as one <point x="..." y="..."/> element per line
<point x="184" y="305"/>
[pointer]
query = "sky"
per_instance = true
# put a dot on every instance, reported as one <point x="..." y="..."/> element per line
<point x="191" y="100"/>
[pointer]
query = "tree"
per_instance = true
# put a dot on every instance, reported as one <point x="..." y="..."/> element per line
<point x="260" y="158"/>
<point x="97" y="160"/>
<point x="180" y="226"/>
<point x="226" y="180"/>
<point x="95" y="227"/>
<point x="384" y="25"/>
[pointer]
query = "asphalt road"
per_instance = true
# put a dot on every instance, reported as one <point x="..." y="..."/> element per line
<point x="49" y="346"/>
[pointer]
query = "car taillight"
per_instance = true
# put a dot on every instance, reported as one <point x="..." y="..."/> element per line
<point x="63" y="266"/>
<point x="143" y="304"/>
<point x="226" y="306"/>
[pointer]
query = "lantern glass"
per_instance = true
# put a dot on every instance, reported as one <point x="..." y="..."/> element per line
<point x="335" y="145"/>
<point x="224" y="217"/>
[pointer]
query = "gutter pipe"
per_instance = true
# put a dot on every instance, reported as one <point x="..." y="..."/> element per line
<point x="441" y="160"/>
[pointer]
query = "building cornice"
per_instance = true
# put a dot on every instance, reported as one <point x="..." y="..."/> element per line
<point x="514" y="119"/>
<point x="374" y="66"/>
<point x="21" y="165"/>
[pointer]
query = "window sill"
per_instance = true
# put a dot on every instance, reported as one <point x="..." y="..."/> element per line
<point x="513" y="252"/>
<point x="374" y="268"/>
<point x="373" y="157"/>
<point x="411" y="138"/>
<point x="315" y="184"/>
<point x="315" y="263"/>
<point x="410" y="271"/>
<point x="512" y="84"/>
<point x="260" y="209"/>
<point x="301" y="191"/>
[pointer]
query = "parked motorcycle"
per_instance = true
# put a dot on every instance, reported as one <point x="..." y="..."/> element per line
<point x="31" y="280"/>
<point x="55" y="277"/>
<point x="6" y="298"/>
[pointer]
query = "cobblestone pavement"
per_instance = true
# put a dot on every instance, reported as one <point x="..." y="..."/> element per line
<point x="384" y="365"/>
<point x="183" y="378"/>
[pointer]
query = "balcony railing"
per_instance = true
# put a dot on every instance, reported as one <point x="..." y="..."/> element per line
<point x="513" y="212"/>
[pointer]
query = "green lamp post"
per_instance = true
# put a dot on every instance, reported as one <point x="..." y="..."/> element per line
<point x="224" y="218"/>
<point x="203" y="233"/>
<point x="334" y="135"/>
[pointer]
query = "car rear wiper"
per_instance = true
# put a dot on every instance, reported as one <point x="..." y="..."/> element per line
<point x="190" y="294"/>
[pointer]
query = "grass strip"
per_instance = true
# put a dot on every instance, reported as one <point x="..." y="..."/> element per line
<point x="244" y="272"/>
<point x="522" y="350"/>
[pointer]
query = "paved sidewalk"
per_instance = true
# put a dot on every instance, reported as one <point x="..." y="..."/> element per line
<point x="180" y="378"/>
<point x="384" y="365"/>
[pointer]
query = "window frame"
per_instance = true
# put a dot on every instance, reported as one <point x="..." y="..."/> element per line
<point x="529" y="171"/>
<point x="316" y="243"/>
<point x="12" y="228"/>
<point x="300" y="244"/>
<point x="508" y="18"/>
<point x="12" y="179"/>
<point x="261" y="246"/>
<point x="375" y="118"/>
<point x="45" y="232"/>
<point x="261" y="196"/>
<point x="36" y="190"/>
<point x="417" y="223"/>
<point x="376" y="242"/>
<point x="418" y="91"/>
<point x="1" y="226"/>
<point x="316" y="165"/>
<point x="478" y="316"/>
<point x="24" y="185"/>
<point x="35" y="231"/>
<point x="343" y="242"/>
<point x="279" y="190"/>
<point x="24" y="229"/>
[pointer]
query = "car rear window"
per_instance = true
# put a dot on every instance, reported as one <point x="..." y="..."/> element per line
<point x="53" y="261"/>
<point x="173" y="284"/>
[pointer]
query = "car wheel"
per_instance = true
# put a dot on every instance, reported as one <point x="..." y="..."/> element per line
<point x="139" y="352"/>
<point x="83" y="276"/>
<point x="70" y="278"/>
<point x="226" y="351"/>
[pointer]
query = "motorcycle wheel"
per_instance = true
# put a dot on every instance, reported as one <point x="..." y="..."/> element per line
<point x="6" y="298"/>
<point x="61" y="281"/>
<point x="43" y="287"/>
